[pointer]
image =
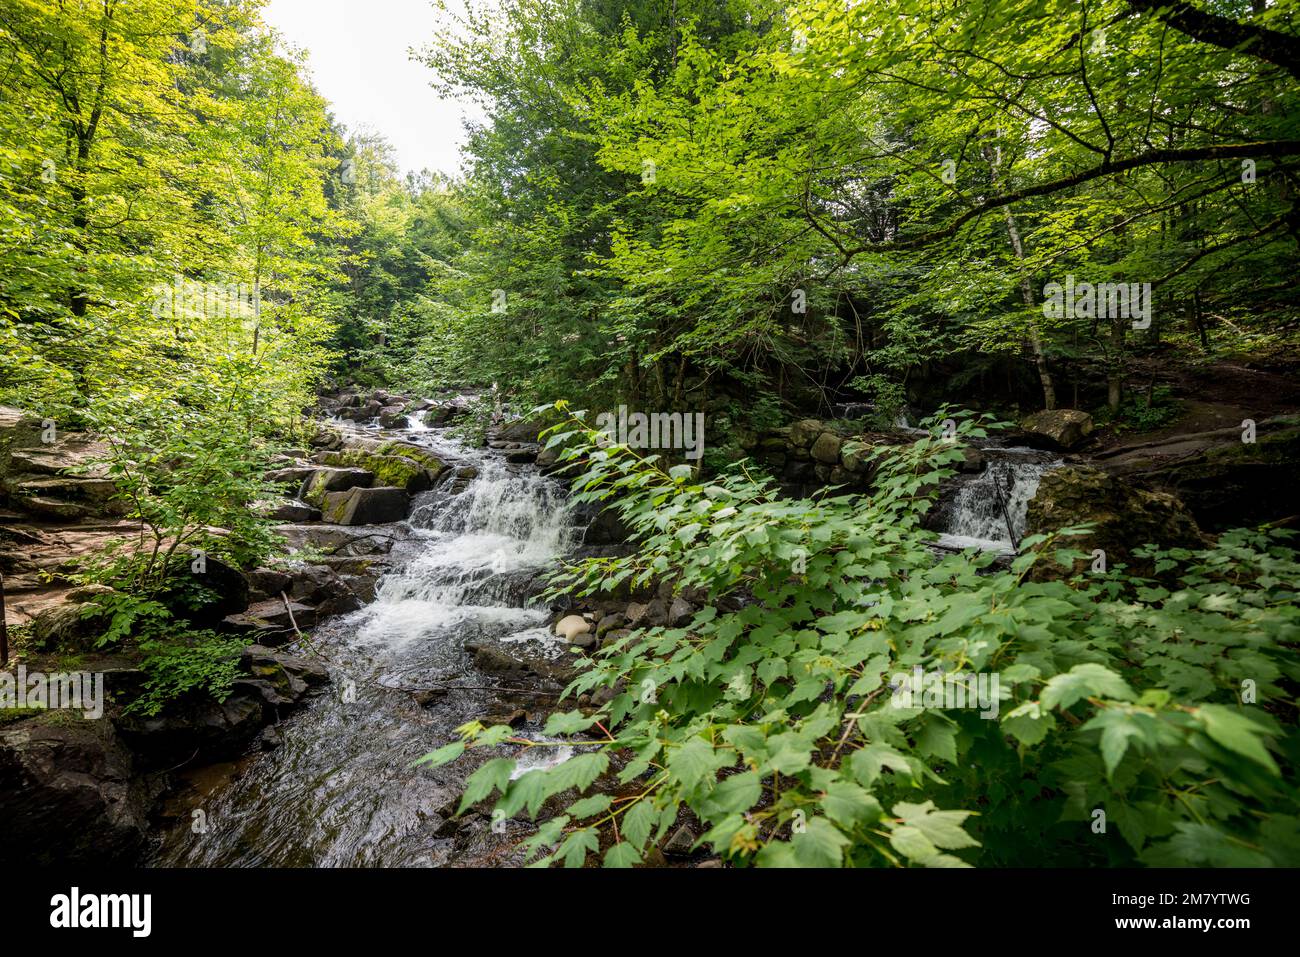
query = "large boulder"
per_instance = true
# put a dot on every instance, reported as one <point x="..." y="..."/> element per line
<point x="400" y="471"/>
<point x="322" y="481"/>
<point x="804" y="432"/>
<point x="69" y="794"/>
<point x="18" y="430"/>
<point x="1063" y="429"/>
<point x="1124" y="516"/>
<point x="222" y="589"/>
<point x="73" y="625"/>
<point x="826" y="448"/>
<point x="63" y="480"/>
<point x="366" y="506"/>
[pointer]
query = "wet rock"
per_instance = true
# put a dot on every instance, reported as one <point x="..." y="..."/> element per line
<point x="446" y="412"/>
<point x="400" y="471"/>
<point x="973" y="460"/>
<point x="196" y="728"/>
<point x="523" y="455"/>
<point x="70" y="795"/>
<point x="393" y="416"/>
<point x="513" y="718"/>
<point x="522" y="658"/>
<point x="292" y="675"/>
<point x="609" y="623"/>
<point x="604" y="525"/>
<point x="366" y="506"/>
<point x="1063" y="429"/>
<point x="321" y="586"/>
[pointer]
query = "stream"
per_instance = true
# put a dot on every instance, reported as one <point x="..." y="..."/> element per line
<point x="340" y="789"/>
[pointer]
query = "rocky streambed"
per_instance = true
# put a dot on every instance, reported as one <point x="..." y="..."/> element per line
<point x="407" y="609"/>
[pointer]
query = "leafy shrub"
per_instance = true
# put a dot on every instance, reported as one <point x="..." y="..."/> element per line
<point x="1141" y="413"/>
<point x="1125" y="730"/>
<point x="201" y="662"/>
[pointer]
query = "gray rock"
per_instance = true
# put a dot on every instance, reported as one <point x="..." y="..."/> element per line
<point x="826" y="448"/>
<point x="804" y="432"/>
<point x="679" y="845"/>
<point x="1063" y="428"/>
<point x="70" y="794"/>
<point x="325" y="480"/>
<point x="680" y="612"/>
<point x="366" y="506"/>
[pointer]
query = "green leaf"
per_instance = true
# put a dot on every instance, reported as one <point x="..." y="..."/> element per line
<point x="820" y="844"/>
<point x="622" y="854"/>
<point x="1082" y="681"/>
<point x="848" y="805"/>
<point x="444" y="755"/>
<point x="1236" y="732"/>
<point x="492" y="776"/>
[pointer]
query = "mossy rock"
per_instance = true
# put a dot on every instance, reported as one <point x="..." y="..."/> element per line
<point x="398" y="471"/>
<point x="1124" y="516"/>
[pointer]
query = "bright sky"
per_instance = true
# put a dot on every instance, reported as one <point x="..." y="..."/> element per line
<point x="359" y="62"/>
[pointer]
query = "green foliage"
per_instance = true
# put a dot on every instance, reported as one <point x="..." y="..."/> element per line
<point x="1162" y="704"/>
<point x="1143" y="413"/>
<point x="660" y="189"/>
<point x="201" y="662"/>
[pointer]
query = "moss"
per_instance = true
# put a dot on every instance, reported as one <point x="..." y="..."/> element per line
<point x="402" y="471"/>
<point x="430" y="462"/>
<point x="1275" y="448"/>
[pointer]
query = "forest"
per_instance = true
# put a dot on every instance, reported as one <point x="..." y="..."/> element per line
<point x="806" y="433"/>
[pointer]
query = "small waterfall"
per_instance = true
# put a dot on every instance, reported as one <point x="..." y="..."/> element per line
<point x="482" y="547"/>
<point x="341" y="789"/>
<point x="977" y="513"/>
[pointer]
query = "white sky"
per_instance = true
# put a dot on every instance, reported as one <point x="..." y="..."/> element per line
<point x="358" y="56"/>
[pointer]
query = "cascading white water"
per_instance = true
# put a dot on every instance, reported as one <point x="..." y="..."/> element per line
<point x="978" y="513"/>
<point x="342" y="788"/>
<point x="479" y="543"/>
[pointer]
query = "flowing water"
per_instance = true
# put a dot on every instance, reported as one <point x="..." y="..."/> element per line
<point x="988" y="510"/>
<point x="341" y="790"/>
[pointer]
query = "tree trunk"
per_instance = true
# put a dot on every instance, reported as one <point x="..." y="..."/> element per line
<point x="1035" y="339"/>
<point x="1027" y="292"/>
